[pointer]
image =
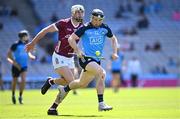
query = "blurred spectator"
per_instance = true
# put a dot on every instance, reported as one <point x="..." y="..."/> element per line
<point x="157" y="6"/>
<point x="148" y="47"/>
<point x="14" y="12"/>
<point x="54" y="18"/>
<point x="143" y="22"/>
<point x="172" y="62"/>
<point x="45" y="59"/>
<point x="129" y="6"/>
<point x="142" y="7"/>
<point x="5" y="10"/>
<point x="129" y="31"/>
<point x="164" y="70"/>
<point x="1" y="26"/>
<point x="119" y="13"/>
<point x="157" y="46"/>
<point x="159" y="70"/>
<point x="1" y="72"/>
<point x="154" y="7"/>
<point x="128" y="46"/>
<point x="176" y="15"/>
<point x="134" y="69"/>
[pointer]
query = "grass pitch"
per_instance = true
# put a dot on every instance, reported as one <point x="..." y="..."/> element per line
<point x="138" y="103"/>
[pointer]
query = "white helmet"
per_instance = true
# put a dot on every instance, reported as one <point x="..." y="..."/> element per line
<point x="75" y="8"/>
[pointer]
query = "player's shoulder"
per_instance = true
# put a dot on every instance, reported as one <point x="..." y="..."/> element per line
<point x="86" y="25"/>
<point x="66" y="20"/>
<point x="14" y="45"/>
<point x="105" y="25"/>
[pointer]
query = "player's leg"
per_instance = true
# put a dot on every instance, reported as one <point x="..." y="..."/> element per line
<point x="22" y="85"/>
<point x="61" y="65"/>
<point x="91" y="70"/>
<point x="76" y="76"/>
<point x="67" y="73"/>
<point x="1" y="82"/>
<point x="100" y="86"/>
<point x="116" y="81"/>
<point x="66" y="70"/>
<point x="85" y="78"/>
<point x="15" y="75"/>
<point x="13" y="85"/>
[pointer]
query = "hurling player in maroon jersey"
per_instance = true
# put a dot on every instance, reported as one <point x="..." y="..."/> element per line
<point x="62" y="58"/>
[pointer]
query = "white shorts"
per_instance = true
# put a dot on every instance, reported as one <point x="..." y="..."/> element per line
<point x="61" y="61"/>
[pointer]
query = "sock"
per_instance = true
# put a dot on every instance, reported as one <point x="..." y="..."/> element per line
<point x="100" y="98"/>
<point x="20" y="94"/>
<point x="13" y="93"/>
<point x="54" y="106"/>
<point x="66" y="88"/>
<point x="51" y="82"/>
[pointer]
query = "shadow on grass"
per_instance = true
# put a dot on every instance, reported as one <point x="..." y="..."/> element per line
<point x="81" y="115"/>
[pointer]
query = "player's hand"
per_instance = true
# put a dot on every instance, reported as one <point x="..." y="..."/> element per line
<point x="33" y="57"/>
<point x="114" y="56"/>
<point x="80" y="54"/>
<point x="17" y="65"/>
<point x="29" y="47"/>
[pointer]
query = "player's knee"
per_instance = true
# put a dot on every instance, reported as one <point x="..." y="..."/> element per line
<point x="102" y="73"/>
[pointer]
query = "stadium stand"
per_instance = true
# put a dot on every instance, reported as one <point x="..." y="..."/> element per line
<point x="161" y="29"/>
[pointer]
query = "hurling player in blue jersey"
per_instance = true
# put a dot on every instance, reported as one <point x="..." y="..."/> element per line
<point x="18" y="57"/>
<point x="93" y="36"/>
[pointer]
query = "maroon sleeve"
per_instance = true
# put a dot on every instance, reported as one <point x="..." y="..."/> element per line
<point x="59" y="24"/>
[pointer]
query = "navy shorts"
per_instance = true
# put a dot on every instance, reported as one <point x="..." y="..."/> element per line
<point x="83" y="62"/>
<point x="16" y="72"/>
<point x="116" y="71"/>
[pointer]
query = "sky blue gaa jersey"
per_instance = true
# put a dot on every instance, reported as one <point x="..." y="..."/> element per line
<point x="93" y="38"/>
<point x="19" y="54"/>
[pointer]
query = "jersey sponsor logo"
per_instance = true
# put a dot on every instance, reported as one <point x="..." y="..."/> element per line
<point x="96" y="40"/>
<point x="68" y="29"/>
<point x="103" y="32"/>
<point x="67" y="36"/>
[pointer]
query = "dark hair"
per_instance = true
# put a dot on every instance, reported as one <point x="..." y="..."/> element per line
<point x="22" y="33"/>
<point x="98" y="13"/>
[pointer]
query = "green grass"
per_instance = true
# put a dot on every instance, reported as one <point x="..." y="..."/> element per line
<point x="139" y="103"/>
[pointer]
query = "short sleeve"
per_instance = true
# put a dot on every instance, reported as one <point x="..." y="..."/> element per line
<point x="59" y="24"/>
<point x="80" y="31"/>
<point x="13" y="47"/>
<point x="109" y="33"/>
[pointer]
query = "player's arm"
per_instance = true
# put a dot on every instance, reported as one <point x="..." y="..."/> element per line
<point x="11" y="60"/>
<point x="31" y="56"/>
<point x="76" y="36"/>
<point x="114" y="43"/>
<point x="72" y="42"/>
<point x="49" y="29"/>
